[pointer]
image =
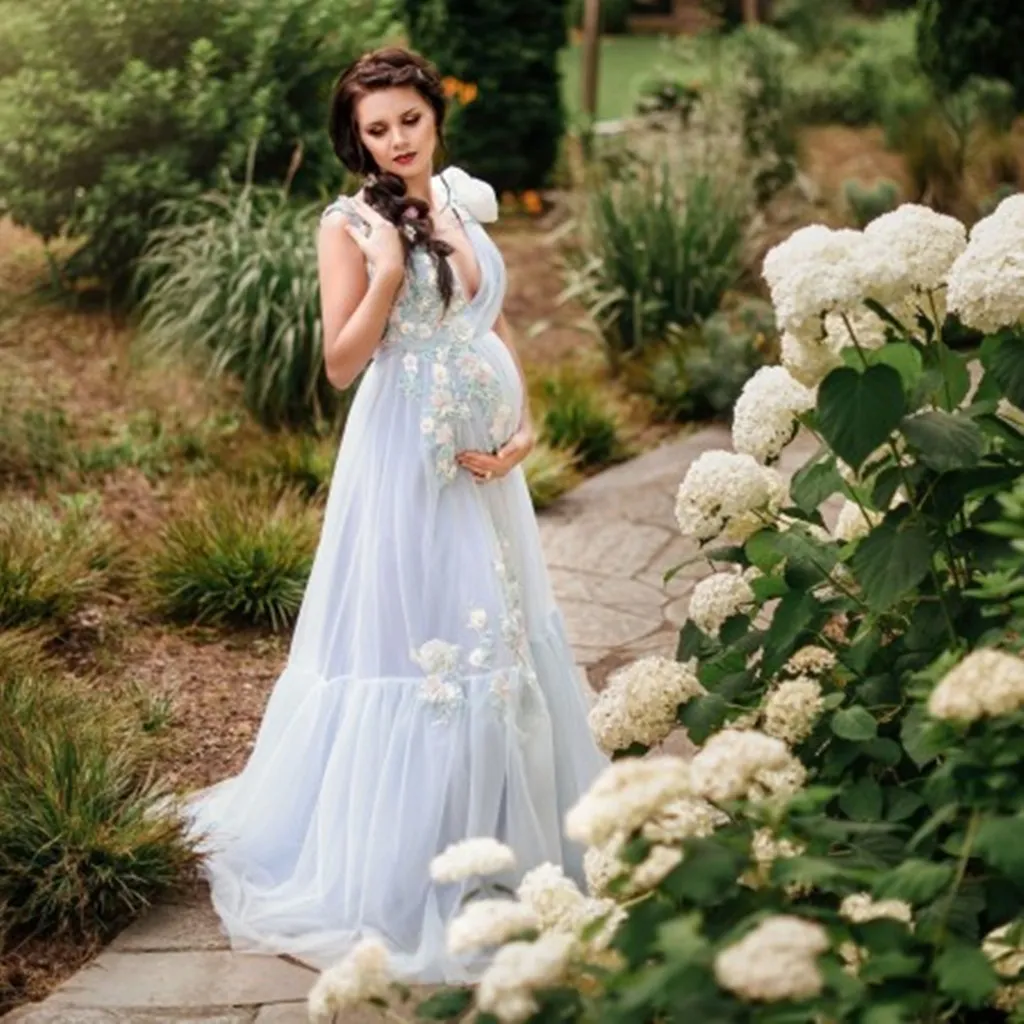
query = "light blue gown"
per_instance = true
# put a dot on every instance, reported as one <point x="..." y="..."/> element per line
<point x="430" y="693"/>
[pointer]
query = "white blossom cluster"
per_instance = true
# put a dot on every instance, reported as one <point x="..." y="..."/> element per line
<point x="854" y="522"/>
<point x="628" y="793"/>
<point x="925" y="243"/>
<point x="777" y="961"/>
<point x="719" y="596"/>
<point x="812" y="661"/>
<point x="860" y="907"/>
<point x="765" y="416"/>
<point x="766" y="849"/>
<point x="792" y="709"/>
<point x="986" y="684"/>
<point x="362" y="975"/>
<point x="986" y="284"/>
<point x="640" y="702"/>
<point x="810" y="359"/>
<point x="724" y="494"/>
<point x="689" y="817"/>
<point x="519" y="969"/>
<point x="470" y="858"/>
<point x="1007" y="957"/>
<point x="484" y="924"/>
<point x="736" y="764"/>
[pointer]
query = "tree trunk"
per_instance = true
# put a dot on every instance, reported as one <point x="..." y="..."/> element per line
<point x="750" y="12"/>
<point x="591" y="54"/>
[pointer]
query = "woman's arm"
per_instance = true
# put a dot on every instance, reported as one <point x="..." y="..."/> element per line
<point x="354" y="308"/>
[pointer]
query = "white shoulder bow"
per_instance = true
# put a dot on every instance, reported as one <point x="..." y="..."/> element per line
<point x="477" y="196"/>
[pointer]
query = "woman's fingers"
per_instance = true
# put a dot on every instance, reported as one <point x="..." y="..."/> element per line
<point x="358" y="237"/>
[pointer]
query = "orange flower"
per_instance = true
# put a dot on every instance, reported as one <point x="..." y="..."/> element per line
<point x="464" y="92"/>
<point x="450" y="85"/>
<point x="532" y="203"/>
<point x="469" y="93"/>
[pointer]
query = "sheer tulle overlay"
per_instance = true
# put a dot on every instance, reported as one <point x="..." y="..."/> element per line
<point x="430" y="693"/>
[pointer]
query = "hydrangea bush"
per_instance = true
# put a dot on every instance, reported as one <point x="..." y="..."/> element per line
<point x="847" y="843"/>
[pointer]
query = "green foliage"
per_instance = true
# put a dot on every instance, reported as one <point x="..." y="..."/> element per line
<point x="575" y="421"/>
<point x="108" y="108"/>
<point x="960" y="39"/>
<point x="231" y="286"/>
<point x="35" y="439"/>
<point x="85" y="841"/>
<point x="657" y="253"/>
<point x="299" y="462"/>
<point x="510" y="134"/>
<point x="236" y="557"/>
<point x="700" y="373"/>
<point x="813" y="25"/>
<point x="866" y="202"/>
<point x="550" y="472"/>
<point x="51" y="564"/>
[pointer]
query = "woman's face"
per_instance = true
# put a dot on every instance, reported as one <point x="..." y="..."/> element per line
<point x="397" y="126"/>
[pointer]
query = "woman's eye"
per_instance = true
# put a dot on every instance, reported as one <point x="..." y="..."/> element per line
<point x="413" y="119"/>
<point x="376" y="132"/>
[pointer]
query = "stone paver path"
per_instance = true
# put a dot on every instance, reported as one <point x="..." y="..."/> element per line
<point x="608" y="545"/>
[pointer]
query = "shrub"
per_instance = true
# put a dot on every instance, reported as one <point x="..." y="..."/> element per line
<point x="574" y="420"/>
<point x="550" y="472"/>
<point x="35" y="440"/>
<point x="237" y="557"/>
<point x="699" y="373"/>
<point x="299" y="462"/>
<point x="658" y="252"/>
<point x="231" y="285"/>
<point x="866" y="202"/>
<point x="844" y="844"/>
<point x="812" y="24"/>
<point x="510" y="134"/>
<point x="51" y="564"/>
<point x="960" y="39"/>
<point x="86" y="840"/>
<point x="107" y="109"/>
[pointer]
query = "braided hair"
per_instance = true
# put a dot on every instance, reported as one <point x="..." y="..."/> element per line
<point x="392" y="67"/>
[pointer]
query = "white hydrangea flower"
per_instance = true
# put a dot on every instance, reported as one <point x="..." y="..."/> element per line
<point x="792" y="709"/>
<point x="925" y="242"/>
<point x="860" y="907"/>
<point x="854" y="523"/>
<point x="659" y="863"/>
<point x="736" y="764"/>
<point x="470" y="858"/>
<point x="602" y="866"/>
<point x="986" y="683"/>
<point x="518" y="970"/>
<point x="764" y="417"/>
<point x="722" y="494"/>
<point x="862" y="324"/>
<point x="554" y="899"/>
<point x="362" y="975"/>
<point x="640" y="702"/>
<point x="986" y="284"/>
<point x="1007" y="957"/>
<point x="811" y="661"/>
<point x="766" y="849"/>
<point x="484" y="924"/>
<point x="689" y="817"/>
<point x="810" y="358"/>
<point x="777" y="961"/>
<point x="626" y="794"/>
<point x="718" y="597"/>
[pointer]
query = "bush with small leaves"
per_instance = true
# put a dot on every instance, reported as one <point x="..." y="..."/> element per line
<point x="868" y="202"/>
<point x="574" y="420"/>
<point x="550" y="472"/>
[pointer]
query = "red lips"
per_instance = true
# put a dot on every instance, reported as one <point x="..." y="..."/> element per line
<point x="405" y="158"/>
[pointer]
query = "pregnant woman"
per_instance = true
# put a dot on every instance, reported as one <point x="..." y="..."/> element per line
<point x="430" y="693"/>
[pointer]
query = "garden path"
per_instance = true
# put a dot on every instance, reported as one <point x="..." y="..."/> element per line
<point x="608" y="545"/>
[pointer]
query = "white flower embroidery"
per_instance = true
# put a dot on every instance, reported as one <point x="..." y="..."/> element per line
<point x="444" y="435"/>
<point x="409" y="362"/>
<point x="479" y="657"/>
<point x="440" y="373"/>
<point x="478" y="619"/>
<point x="437" y="657"/>
<point x="427" y="425"/>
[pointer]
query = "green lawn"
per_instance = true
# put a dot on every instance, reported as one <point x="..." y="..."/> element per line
<point x="624" y="61"/>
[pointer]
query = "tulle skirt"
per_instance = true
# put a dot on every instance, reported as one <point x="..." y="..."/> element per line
<point x="430" y="693"/>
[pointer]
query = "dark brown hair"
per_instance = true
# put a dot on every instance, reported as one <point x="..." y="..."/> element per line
<point x="391" y="68"/>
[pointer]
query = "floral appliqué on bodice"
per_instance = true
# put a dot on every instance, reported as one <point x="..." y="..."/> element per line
<point x="439" y="365"/>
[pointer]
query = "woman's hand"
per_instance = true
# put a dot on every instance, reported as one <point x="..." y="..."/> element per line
<point x="379" y="240"/>
<point x="486" y="466"/>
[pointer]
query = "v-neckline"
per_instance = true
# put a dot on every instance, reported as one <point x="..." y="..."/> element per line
<point x="464" y="227"/>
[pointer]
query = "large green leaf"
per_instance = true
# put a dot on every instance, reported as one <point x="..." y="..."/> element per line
<point x="1003" y="356"/>
<point x="916" y="881"/>
<point x="862" y="801"/>
<point x="811" y="485"/>
<point x="796" y="613"/>
<point x="943" y="440"/>
<point x="445" y="1004"/>
<point x="858" y="411"/>
<point x="1001" y="843"/>
<point x="903" y="358"/>
<point x="892" y="560"/>
<point x="856" y="723"/>
<point x="703" y="716"/>
<point x="965" y="973"/>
